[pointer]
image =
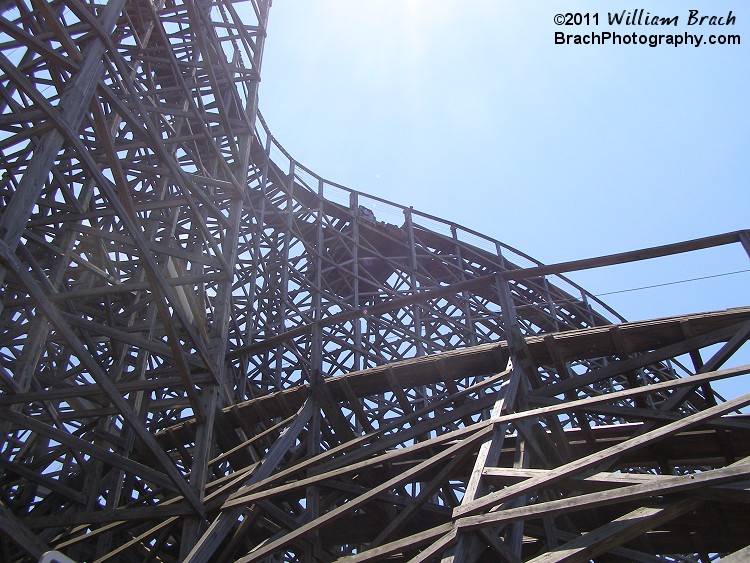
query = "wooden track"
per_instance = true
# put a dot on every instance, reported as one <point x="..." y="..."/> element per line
<point x="210" y="353"/>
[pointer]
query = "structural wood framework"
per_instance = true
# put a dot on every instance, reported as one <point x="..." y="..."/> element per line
<point x="210" y="353"/>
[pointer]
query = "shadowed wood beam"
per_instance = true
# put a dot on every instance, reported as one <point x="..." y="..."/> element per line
<point x="247" y="495"/>
<point x="96" y="371"/>
<point x="677" y="484"/>
<point x="627" y="554"/>
<point x="661" y="339"/>
<point x="74" y="103"/>
<point x="353" y="504"/>
<point x="83" y="446"/>
<point x="15" y="530"/>
<point x="600" y="481"/>
<point x="498" y="497"/>
<point x="214" y="536"/>
<point x="622" y="530"/>
<point x="489" y="279"/>
<point x="156" y="513"/>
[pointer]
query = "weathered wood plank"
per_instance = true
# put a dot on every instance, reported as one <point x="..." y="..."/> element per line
<point x="620" y="531"/>
<point x="676" y="484"/>
<point x="16" y="531"/>
<point x="625" y="257"/>
<point x="223" y="523"/>
<point x="353" y="504"/>
<point x="611" y="453"/>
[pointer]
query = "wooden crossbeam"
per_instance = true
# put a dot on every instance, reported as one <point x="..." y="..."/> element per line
<point x="664" y="337"/>
<point x="616" y="533"/>
<point x="497" y="498"/>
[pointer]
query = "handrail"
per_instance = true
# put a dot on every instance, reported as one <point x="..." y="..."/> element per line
<point x="452" y="227"/>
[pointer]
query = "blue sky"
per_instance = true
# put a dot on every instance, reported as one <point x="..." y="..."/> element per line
<point x="469" y="111"/>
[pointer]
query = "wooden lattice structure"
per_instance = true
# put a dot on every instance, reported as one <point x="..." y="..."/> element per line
<point x="210" y="353"/>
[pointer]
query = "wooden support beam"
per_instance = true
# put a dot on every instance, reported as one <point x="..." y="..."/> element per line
<point x="245" y="496"/>
<point x="616" y="533"/>
<point x="15" y="530"/>
<point x="85" y="518"/>
<point x="56" y="319"/>
<point x="438" y="547"/>
<point x="739" y="556"/>
<point x="627" y="554"/>
<point x="227" y="519"/>
<point x="75" y="102"/>
<point x="676" y="484"/>
<point x="77" y="444"/>
<point x="353" y="504"/>
<point x="498" y="497"/>
<point x="407" y="543"/>
<point x="710" y="329"/>
<point x="625" y="257"/>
